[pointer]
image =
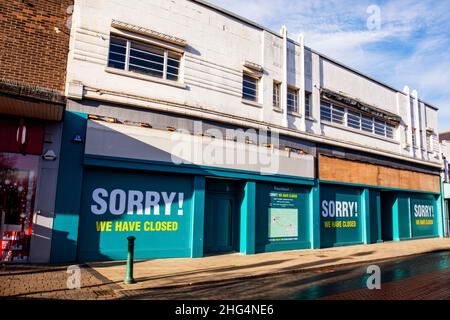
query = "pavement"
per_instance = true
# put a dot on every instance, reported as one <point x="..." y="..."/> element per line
<point x="25" y="281"/>
<point x="104" y="280"/>
<point x="173" y="273"/>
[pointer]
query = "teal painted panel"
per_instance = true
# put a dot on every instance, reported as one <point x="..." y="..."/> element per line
<point x="218" y="224"/>
<point x="247" y="221"/>
<point x="282" y="217"/>
<point x="404" y="224"/>
<point x="155" y="208"/>
<point x="341" y="221"/>
<point x="68" y="192"/>
<point x="424" y="216"/>
<point x="375" y="216"/>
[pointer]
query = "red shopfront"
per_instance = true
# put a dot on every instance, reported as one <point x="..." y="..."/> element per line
<point x="21" y="143"/>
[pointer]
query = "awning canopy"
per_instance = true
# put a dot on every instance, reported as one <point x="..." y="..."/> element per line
<point x="31" y="102"/>
<point x="359" y="105"/>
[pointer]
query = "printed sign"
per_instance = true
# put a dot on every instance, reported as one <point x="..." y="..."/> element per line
<point x="154" y="208"/>
<point x="423" y="214"/>
<point x="283" y="215"/>
<point x="340" y="216"/>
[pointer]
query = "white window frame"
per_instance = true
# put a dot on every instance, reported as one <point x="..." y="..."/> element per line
<point x="363" y="119"/>
<point x="166" y="56"/>
<point x="296" y="99"/>
<point x="245" y="74"/>
<point x="276" y="95"/>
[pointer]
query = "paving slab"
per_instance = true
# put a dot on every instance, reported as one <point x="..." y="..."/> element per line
<point x="165" y="273"/>
<point x="25" y="281"/>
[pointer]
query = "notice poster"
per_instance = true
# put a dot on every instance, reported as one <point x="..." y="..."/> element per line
<point x="283" y="215"/>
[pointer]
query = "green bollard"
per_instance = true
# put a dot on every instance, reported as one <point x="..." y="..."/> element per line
<point x="129" y="277"/>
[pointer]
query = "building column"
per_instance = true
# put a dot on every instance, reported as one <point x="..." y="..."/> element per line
<point x="248" y="217"/>
<point x="69" y="189"/>
<point x="301" y="41"/>
<point x="417" y="123"/>
<point x="198" y="217"/>
<point x="409" y="122"/>
<point x="284" y="84"/>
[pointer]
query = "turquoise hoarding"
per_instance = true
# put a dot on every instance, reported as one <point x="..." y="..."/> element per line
<point x="154" y="208"/>
<point x="340" y="216"/>
<point x="282" y="221"/>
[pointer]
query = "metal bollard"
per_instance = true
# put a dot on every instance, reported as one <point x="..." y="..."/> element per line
<point x="129" y="276"/>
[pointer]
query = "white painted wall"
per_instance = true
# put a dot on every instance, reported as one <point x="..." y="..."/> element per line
<point x="218" y="44"/>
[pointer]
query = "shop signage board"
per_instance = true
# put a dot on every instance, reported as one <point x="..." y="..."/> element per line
<point x="155" y="208"/>
<point x="340" y="214"/>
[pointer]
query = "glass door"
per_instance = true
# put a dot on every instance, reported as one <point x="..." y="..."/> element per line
<point x="17" y="196"/>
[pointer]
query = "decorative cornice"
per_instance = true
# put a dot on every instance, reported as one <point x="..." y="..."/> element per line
<point x="253" y="66"/>
<point x="148" y="32"/>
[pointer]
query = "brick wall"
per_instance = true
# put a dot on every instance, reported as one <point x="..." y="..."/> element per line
<point x="34" y="42"/>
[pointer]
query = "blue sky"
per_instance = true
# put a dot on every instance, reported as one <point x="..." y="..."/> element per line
<point x="411" y="47"/>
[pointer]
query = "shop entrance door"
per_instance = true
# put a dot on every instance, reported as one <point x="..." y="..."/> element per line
<point x="221" y="219"/>
<point x="17" y="194"/>
<point x="218" y="224"/>
<point x="387" y="203"/>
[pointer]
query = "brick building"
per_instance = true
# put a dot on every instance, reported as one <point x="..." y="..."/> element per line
<point x="34" y="42"/>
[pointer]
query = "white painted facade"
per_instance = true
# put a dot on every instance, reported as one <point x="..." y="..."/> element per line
<point x="218" y="45"/>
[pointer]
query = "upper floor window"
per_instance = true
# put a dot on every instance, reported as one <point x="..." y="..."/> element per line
<point x="356" y="120"/>
<point x="134" y="56"/>
<point x="276" y="94"/>
<point x="250" y="88"/>
<point x="332" y="113"/>
<point x="292" y="100"/>
<point x="308" y="111"/>
<point x="414" y="138"/>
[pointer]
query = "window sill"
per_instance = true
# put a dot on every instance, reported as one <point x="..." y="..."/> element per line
<point x="252" y="103"/>
<point x="295" y="114"/>
<point x="311" y="119"/>
<point x="371" y="135"/>
<point x="279" y="110"/>
<point x="145" y="78"/>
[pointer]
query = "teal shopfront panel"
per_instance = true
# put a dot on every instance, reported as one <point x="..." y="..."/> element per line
<point x="155" y="208"/>
<point x="424" y="216"/>
<point x="341" y="220"/>
<point x="282" y="221"/>
<point x="404" y="217"/>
